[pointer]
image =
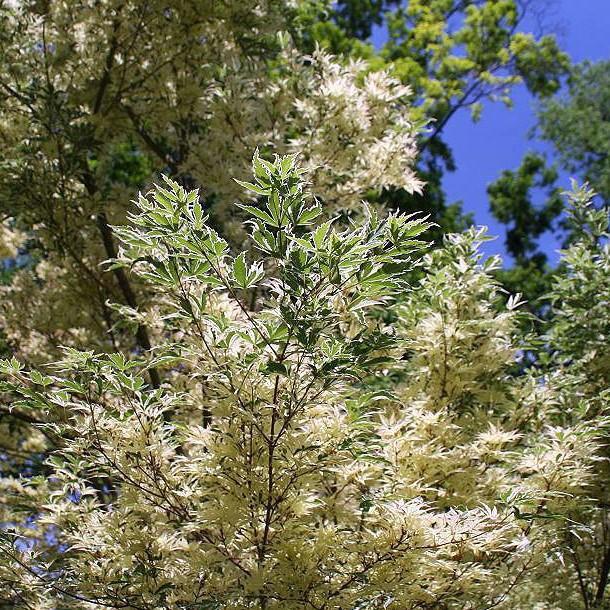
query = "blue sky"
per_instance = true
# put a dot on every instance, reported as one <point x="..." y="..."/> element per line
<point x="500" y="139"/>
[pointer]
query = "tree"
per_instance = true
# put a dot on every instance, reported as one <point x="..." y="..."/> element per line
<point x="97" y="97"/>
<point x="455" y="55"/>
<point x="511" y="202"/>
<point x="321" y="444"/>
<point x="421" y="407"/>
<point x="575" y="122"/>
<point x="580" y="354"/>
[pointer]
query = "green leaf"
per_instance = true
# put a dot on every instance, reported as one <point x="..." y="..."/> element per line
<point x="38" y="378"/>
<point x="240" y="270"/>
<point x="276" y="368"/>
<point x="308" y="216"/>
<point x="320" y="234"/>
<point x="198" y="216"/>
<point x="262" y="169"/>
<point x="118" y="360"/>
<point x="255" y="188"/>
<point x="260" y="214"/>
<point x="167" y="195"/>
<point x="10" y="366"/>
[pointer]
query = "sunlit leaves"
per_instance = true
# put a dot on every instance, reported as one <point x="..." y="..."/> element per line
<point x="246" y="276"/>
<point x="320" y="407"/>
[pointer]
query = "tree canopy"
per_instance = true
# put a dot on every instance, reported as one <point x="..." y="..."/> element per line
<point x="317" y="397"/>
<point x="326" y="436"/>
<point x="575" y="123"/>
<point x="455" y="55"/>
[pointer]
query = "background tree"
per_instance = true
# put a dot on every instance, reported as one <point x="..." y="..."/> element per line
<point x="97" y="97"/>
<point x="576" y="123"/>
<point x="512" y="202"/>
<point x="455" y="55"/>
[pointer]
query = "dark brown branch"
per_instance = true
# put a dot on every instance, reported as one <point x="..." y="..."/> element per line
<point x="603" y="579"/>
<point x="101" y="218"/>
<point x="128" y="293"/>
<point x="438" y="128"/>
<point x="110" y="58"/>
<point x="154" y="146"/>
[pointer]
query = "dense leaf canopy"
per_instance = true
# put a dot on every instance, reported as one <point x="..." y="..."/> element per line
<point x="321" y="396"/>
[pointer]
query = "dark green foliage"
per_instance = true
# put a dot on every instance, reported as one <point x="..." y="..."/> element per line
<point x="578" y="125"/>
<point x="511" y="203"/>
<point x="454" y="55"/>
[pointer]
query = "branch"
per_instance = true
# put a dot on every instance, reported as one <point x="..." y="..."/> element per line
<point x="154" y="146"/>
<point x="127" y="290"/>
<point x="603" y="579"/>
<point x="101" y="219"/>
